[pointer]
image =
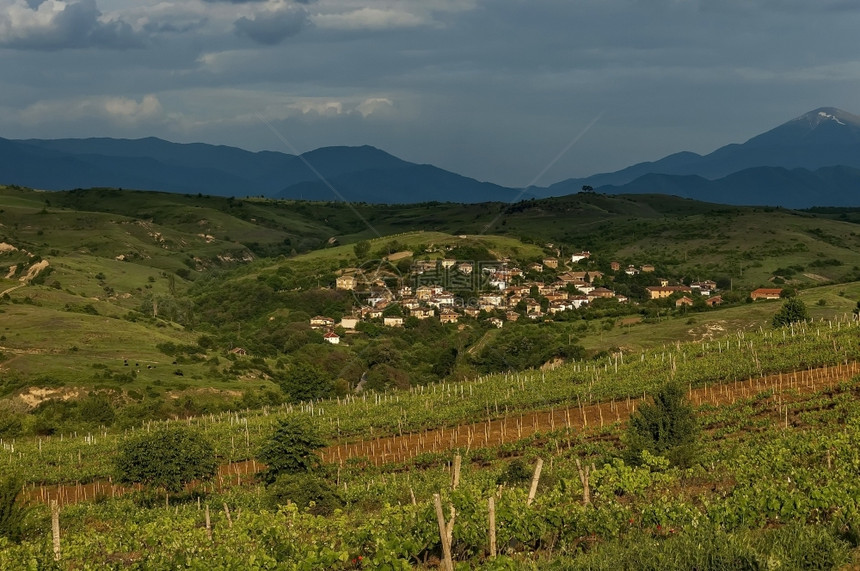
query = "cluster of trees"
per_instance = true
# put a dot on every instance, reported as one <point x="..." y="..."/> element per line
<point x="171" y="458"/>
<point x="526" y="346"/>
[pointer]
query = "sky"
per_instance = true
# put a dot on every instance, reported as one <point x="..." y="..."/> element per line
<point x="515" y="92"/>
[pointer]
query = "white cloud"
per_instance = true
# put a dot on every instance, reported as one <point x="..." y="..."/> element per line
<point x="118" y="110"/>
<point x="373" y="105"/>
<point x="56" y="24"/>
<point x="370" y="19"/>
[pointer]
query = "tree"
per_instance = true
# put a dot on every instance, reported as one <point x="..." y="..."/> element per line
<point x="291" y="449"/>
<point x="587" y="188"/>
<point x="665" y="427"/>
<point x="304" y="381"/>
<point x="792" y="311"/>
<point x="168" y="458"/>
<point x="361" y="249"/>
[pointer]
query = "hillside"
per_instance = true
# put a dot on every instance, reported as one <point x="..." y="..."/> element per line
<point x="768" y="473"/>
<point x="124" y="313"/>
<point x="148" y="294"/>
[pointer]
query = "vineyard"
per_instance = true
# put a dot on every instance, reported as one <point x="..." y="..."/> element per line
<point x="419" y="473"/>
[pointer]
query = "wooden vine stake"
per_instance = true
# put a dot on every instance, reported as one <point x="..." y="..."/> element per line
<point x="227" y="512"/>
<point x="584" y="475"/>
<point x="447" y="562"/>
<point x="492" y="526"/>
<point x="208" y="524"/>
<point x="455" y="479"/>
<point x="55" y="528"/>
<point x="535" y="480"/>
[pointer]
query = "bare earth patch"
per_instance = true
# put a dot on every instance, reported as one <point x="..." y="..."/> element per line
<point x="35" y="396"/>
<point x="707" y="331"/>
<point x="34" y="270"/>
<point x="398" y="256"/>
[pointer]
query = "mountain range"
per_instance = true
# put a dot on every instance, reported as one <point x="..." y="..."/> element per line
<point x="356" y="174"/>
<point x="813" y="160"/>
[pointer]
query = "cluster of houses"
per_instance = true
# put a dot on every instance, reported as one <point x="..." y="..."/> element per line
<point x="507" y="294"/>
<point x="706" y="289"/>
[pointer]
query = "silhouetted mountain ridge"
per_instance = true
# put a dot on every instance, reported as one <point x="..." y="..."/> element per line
<point x="812" y="160"/>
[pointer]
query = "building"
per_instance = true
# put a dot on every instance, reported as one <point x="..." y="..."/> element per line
<point x="473" y="312"/>
<point x="349" y="322"/>
<point x="766" y="293"/>
<point x="550" y="262"/>
<point x="706" y="287"/>
<point x="558" y="307"/>
<point x="425" y="292"/>
<point x="714" y="300"/>
<point x="584" y="255"/>
<point x="532" y="306"/>
<point x="422" y="313"/>
<point x="647" y="268"/>
<point x="682" y="301"/>
<point x="661" y="292"/>
<point x="347" y="282"/>
<point x="601" y="292"/>
<point x="392" y="321"/>
<point x="443" y="299"/>
<point x="449" y="316"/>
<point x="493" y="299"/>
<point x="321" y="322"/>
<point x="332" y="337"/>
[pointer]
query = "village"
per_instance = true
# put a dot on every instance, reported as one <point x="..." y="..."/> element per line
<point x="498" y="291"/>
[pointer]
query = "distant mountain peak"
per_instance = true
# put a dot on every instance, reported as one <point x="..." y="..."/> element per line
<point x="828" y="115"/>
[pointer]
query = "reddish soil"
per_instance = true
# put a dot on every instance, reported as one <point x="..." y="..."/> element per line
<point x="491" y="432"/>
<point x="511" y="428"/>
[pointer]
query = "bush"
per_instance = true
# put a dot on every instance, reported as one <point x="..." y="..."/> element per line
<point x="11" y="513"/>
<point x="516" y="473"/>
<point x="792" y="311"/>
<point x="168" y="458"/>
<point x="291" y="449"/>
<point x="306" y="490"/>
<point x="666" y="427"/>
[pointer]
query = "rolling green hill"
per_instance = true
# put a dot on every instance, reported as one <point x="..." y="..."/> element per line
<point x="144" y="295"/>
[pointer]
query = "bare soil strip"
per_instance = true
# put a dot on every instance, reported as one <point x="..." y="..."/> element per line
<point x="491" y="432"/>
<point x="496" y="431"/>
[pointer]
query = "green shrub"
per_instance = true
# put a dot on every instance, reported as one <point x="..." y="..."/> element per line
<point x="290" y="449"/>
<point x="306" y="490"/>
<point x="665" y="427"/>
<point x="516" y="473"/>
<point x="168" y="458"/>
<point x="792" y="311"/>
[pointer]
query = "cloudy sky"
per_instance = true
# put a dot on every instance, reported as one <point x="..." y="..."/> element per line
<point x="494" y="89"/>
